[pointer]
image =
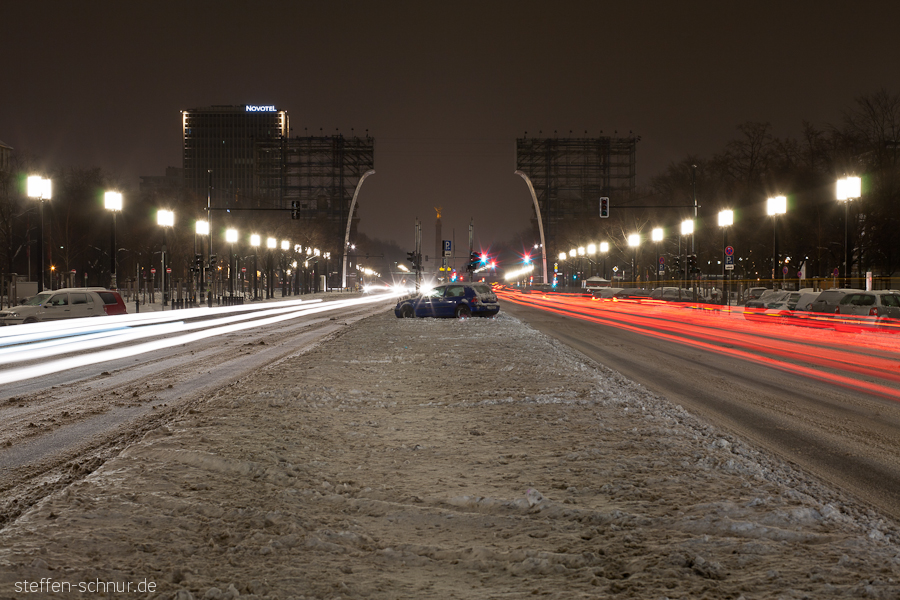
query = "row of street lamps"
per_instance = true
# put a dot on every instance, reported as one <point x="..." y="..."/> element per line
<point x="848" y="189"/>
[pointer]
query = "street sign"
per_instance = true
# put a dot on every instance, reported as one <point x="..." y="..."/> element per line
<point x="784" y="270"/>
<point x="662" y="261"/>
<point x="153" y="271"/>
<point x="448" y="248"/>
<point x="729" y="251"/>
<point x="729" y="262"/>
<point x="243" y="269"/>
<point x="168" y="270"/>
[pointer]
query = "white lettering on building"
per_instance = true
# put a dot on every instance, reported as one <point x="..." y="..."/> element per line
<point x="264" y="108"/>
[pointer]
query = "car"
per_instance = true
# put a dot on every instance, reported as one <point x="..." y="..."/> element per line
<point x="672" y="294"/>
<point x="863" y="310"/>
<point x="754" y="293"/>
<point x="459" y="300"/>
<point x="66" y="303"/>
<point x="605" y="293"/>
<point x="828" y="301"/>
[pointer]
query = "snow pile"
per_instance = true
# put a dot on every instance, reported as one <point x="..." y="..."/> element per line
<point x="410" y="458"/>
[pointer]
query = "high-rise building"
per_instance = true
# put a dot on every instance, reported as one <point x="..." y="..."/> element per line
<point x="220" y="146"/>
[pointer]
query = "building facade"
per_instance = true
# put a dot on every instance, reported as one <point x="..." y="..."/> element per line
<point x="219" y="148"/>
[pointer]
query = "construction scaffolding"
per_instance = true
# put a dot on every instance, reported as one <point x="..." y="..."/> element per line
<point x="315" y="177"/>
<point x="570" y="175"/>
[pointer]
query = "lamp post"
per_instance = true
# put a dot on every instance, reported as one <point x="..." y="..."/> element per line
<point x="112" y="201"/>
<point x="271" y="244"/>
<point x="40" y="189"/>
<point x="726" y="219"/>
<point x="231" y="236"/>
<point x="604" y="250"/>
<point x="775" y="206"/>
<point x="634" y="240"/>
<point x="657" y="237"/>
<point x="285" y="246"/>
<point x="164" y="218"/>
<point x="687" y="228"/>
<point x="254" y="242"/>
<point x="849" y="188"/>
<point x="201" y="228"/>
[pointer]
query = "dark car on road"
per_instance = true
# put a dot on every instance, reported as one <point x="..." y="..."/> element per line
<point x="459" y="300"/>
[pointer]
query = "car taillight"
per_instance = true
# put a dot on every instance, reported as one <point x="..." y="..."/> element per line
<point x="873" y="312"/>
<point x="837" y="310"/>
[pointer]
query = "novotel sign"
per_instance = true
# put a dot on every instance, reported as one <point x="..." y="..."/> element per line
<point x="255" y="108"/>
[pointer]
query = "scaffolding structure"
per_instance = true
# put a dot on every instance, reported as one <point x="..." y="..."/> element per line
<point x="315" y="177"/>
<point x="570" y="175"/>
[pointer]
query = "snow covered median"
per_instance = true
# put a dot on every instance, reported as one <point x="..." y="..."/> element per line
<point x="420" y="458"/>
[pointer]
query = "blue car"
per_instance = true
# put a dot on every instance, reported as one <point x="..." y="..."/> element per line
<point x="459" y="300"/>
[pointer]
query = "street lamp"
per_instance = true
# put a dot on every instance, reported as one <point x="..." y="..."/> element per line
<point x="849" y="188"/>
<point x="687" y="228"/>
<point x="271" y="244"/>
<point x="164" y="218"/>
<point x="726" y="220"/>
<point x="112" y="201"/>
<point x="285" y="246"/>
<point x="40" y="189"/>
<point x="231" y="236"/>
<point x="657" y="236"/>
<point x="634" y="240"/>
<point x="774" y="207"/>
<point x="254" y="242"/>
<point x="202" y="228"/>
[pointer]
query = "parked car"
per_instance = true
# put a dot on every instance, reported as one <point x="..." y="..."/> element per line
<point x="828" y="301"/>
<point x="754" y="293"/>
<point x="869" y="309"/>
<point x="672" y="294"/>
<point x="605" y="293"/>
<point x="67" y="303"/>
<point x="632" y="294"/>
<point x="458" y="300"/>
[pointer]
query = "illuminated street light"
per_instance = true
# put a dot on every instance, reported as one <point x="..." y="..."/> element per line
<point x="657" y="236"/>
<point x="112" y="201"/>
<point x="255" y="241"/>
<point x="165" y="219"/>
<point x="231" y="236"/>
<point x="726" y="220"/>
<point x="202" y="228"/>
<point x="775" y="206"/>
<point x="40" y="189"/>
<point x="687" y="228"/>
<point x="634" y="240"/>
<point x="849" y="188"/>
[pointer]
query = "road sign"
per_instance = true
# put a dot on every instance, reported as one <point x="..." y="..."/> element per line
<point x="153" y="271"/>
<point x="729" y="251"/>
<point x="729" y="262"/>
<point x="784" y="270"/>
<point x="448" y="248"/>
<point x="243" y="269"/>
<point x="662" y="261"/>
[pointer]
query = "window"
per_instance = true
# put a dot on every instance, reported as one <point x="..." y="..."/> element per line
<point x="59" y="300"/>
<point x="78" y="298"/>
<point x="455" y="291"/>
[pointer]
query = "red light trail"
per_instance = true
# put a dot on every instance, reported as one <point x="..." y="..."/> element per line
<point x="867" y="361"/>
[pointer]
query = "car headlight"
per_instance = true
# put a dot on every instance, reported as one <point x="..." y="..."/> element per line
<point x="9" y="315"/>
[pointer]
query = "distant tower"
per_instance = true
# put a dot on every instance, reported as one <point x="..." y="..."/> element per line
<point x="438" y="246"/>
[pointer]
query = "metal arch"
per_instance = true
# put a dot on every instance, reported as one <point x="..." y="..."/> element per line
<point x="349" y="221"/>
<point x="537" y="210"/>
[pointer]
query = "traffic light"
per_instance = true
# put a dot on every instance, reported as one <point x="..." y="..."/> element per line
<point x="411" y="257"/>
<point x="213" y="259"/>
<point x="295" y="209"/>
<point x="198" y="261"/>
<point x="692" y="261"/>
<point x="677" y="264"/>
<point x="474" y="261"/>
<point x="604" y="207"/>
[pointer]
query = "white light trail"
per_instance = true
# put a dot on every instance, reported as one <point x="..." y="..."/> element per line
<point x="248" y="322"/>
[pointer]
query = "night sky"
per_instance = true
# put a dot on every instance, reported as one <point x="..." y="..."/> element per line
<point x="445" y="88"/>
